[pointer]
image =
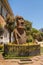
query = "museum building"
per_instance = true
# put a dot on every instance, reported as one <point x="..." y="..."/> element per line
<point x="4" y="10"/>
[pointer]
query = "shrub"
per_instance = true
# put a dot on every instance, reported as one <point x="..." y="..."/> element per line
<point x="1" y="48"/>
<point x="29" y="39"/>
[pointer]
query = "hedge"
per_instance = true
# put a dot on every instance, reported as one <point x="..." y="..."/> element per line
<point x="15" y="50"/>
<point x="1" y="48"/>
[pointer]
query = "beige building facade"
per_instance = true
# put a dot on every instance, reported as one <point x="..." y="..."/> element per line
<point x="4" y="10"/>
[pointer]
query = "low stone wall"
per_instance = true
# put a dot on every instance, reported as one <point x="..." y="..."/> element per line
<point x="21" y="50"/>
<point x="41" y="43"/>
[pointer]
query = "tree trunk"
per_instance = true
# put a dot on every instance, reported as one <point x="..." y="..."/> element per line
<point x="9" y="37"/>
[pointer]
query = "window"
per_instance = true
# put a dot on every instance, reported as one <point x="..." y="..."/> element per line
<point x="4" y="12"/>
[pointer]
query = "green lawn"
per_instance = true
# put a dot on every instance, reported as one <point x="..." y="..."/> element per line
<point x="41" y="50"/>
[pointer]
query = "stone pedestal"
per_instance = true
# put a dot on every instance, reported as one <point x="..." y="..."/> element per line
<point x="21" y="50"/>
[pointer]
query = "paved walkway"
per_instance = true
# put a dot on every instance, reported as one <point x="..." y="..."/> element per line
<point x="1" y="57"/>
<point x="36" y="60"/>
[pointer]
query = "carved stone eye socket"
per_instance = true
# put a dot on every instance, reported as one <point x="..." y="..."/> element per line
<point x="22" y="22"/>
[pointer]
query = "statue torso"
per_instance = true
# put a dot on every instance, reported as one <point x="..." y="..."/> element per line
<point x="22" y="36"/>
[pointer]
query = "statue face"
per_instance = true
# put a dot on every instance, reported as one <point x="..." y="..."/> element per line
<point x="20" y="23"/>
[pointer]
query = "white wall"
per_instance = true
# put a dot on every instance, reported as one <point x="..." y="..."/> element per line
<point x="6" y="37"/>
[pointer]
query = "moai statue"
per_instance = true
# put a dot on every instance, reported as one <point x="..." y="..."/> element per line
<point x="19" y="31"/>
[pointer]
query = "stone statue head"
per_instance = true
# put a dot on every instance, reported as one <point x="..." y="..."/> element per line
<point x="20" y="22"/>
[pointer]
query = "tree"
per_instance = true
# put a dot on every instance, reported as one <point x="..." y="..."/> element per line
<point x="41" y="35"/>
<point x="36" y="34"/>
<point x="41" y="30"/>
<point x="28" y="26"/>
<point x="10" y="24"/>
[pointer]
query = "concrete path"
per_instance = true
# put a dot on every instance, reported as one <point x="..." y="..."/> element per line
<point x="36" y="60"/>
<point x="1" y="57"/>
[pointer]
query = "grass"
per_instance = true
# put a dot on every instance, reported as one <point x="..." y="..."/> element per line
<point x="12" y="57"/>
<point x="41" y="50"/>
<point x="18" y="57"/>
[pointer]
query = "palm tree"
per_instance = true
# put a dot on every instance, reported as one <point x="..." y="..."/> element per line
<point x="10" y="25"/>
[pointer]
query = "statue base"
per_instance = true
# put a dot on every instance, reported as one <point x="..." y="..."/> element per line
<point x="16" y="50"/>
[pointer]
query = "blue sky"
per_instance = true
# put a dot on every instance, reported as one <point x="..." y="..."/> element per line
<point x="31" y="10"/>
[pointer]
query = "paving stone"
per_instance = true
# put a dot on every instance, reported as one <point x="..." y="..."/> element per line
<point x="37" y="60"/>
<point x="41" y="63"/>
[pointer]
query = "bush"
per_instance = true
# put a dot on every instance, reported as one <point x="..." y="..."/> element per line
<point x="29" y="39"/>
<point x="1" y="48"/>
